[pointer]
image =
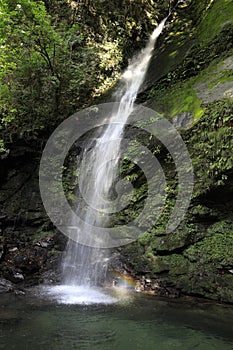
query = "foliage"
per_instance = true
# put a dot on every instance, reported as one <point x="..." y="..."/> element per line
<point x="57" y="55"/>
<point x="210" y="146"/>
<point x="37" y="65"/>
<point x="216" y="249"/>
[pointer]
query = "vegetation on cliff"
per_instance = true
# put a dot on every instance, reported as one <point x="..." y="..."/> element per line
<point x="58" y="57"/>
<point x="197" y="257"/>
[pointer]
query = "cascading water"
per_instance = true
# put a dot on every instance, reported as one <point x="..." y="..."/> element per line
<point x="85" y="265"/>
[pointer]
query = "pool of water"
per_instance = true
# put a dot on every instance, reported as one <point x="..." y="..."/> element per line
<point x="124" y="322"/>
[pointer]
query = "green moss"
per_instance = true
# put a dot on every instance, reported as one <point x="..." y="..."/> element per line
<point x="202" y="211"/>
<point x="180" y="238"/>
<point x="182" y="96"/>
<point x="179" y="98"/>
<point x="210" y="146"/>
<point x="225" y="288"/>
<point x="134" y="253"/>
<point x="224" y="226"/>
<point x="215" y="249"/>
<point x="178" y="91"/>
<point x="176" y="264"/>
<point x="219" y="14"/>
<point x="221" y="77"/>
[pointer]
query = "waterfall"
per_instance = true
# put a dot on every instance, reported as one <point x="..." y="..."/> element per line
<point x="85" y="265"/>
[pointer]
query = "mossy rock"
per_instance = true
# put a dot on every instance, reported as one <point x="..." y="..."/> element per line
<point x="176" y="264"/>
<point x="205" y="281"/>
<point x="224" y="227"/>
<point x="216" y="250"/>
<point x="182" y="237"/>
<point x="204" y="213"/>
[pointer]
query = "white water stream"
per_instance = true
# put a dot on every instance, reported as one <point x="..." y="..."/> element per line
<point x="84" y="267"/>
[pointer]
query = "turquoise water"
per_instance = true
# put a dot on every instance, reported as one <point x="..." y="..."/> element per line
<point x="141" y="322"/>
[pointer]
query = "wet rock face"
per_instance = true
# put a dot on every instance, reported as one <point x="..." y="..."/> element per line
<point x="29" y="244"/>
<point x="2" y="251"/>
<point x="196" y="94"/>
<point x="195" y="259"/>
<point x="214" y="88"/>
<point x="6" y="286"/>
<point x="183" y="120"/>
<point x="26" y="260"/>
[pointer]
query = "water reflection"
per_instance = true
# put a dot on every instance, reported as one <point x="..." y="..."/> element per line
<point x="146" y="323"/>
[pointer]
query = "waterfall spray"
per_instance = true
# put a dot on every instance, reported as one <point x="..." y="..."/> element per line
<point x="85" y="265"/>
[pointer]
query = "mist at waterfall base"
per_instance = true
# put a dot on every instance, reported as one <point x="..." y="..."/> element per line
<point x="84" y="267"/>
